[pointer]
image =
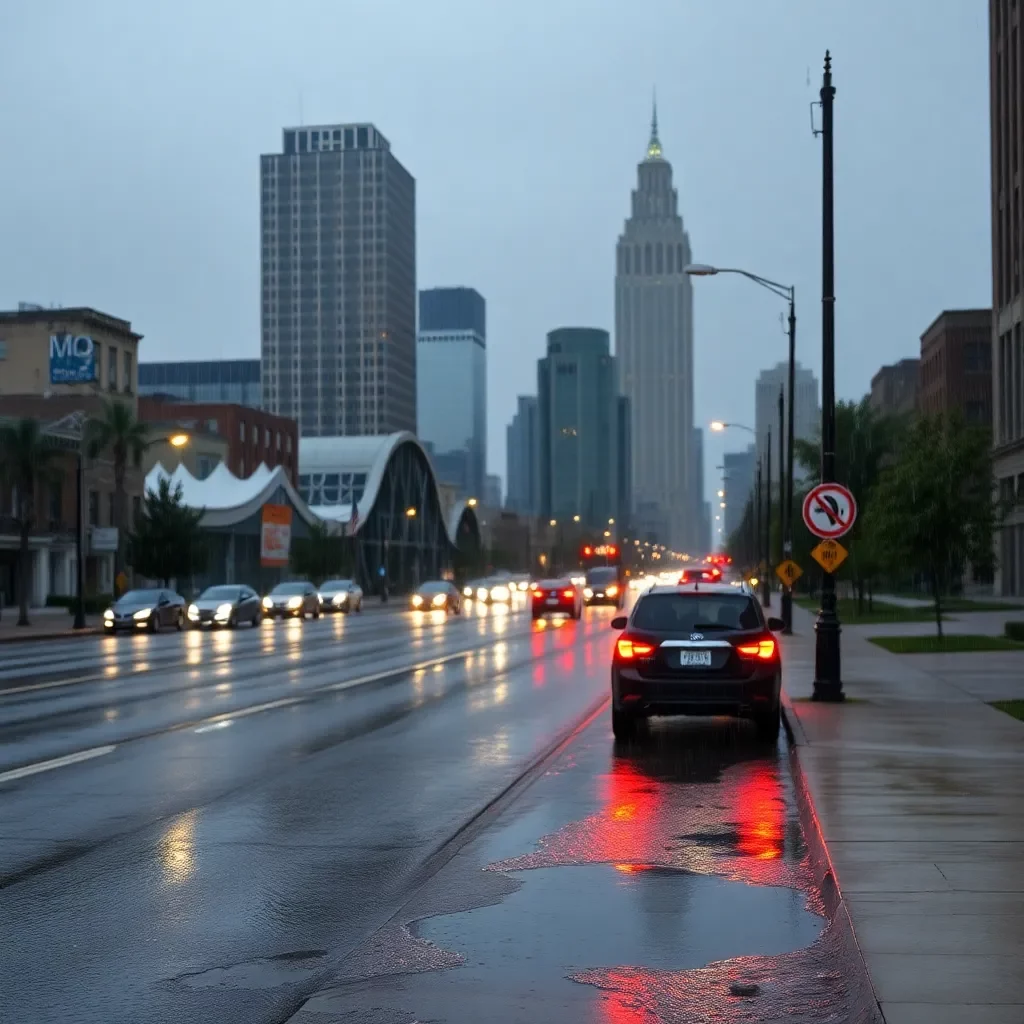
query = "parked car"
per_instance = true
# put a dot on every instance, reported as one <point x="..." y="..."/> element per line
<point x="438" y="595"/>
<point x="292" y="601"/>
<point x="225" y="605"/>
<point x="145" y="609"/>
<point x="341" y="596"/>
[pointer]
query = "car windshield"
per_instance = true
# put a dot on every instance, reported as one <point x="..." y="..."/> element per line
<point x="602" y="575"/>
<point x="337" y="585"/>
<point x="140" y="597"/>
<point x="680" y="613"/>
<point x="289" y="588"/>
<point x="219" y="594"/>
<point x="437" y="587"/>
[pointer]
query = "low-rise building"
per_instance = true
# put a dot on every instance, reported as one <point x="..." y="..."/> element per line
<point x="956" y="366"/>
<point x="894" y="388"/>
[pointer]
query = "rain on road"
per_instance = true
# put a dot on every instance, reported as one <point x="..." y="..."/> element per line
<point x="290" y="822"/>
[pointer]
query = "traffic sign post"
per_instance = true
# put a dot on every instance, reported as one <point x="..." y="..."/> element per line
<point x="830" y="510"/>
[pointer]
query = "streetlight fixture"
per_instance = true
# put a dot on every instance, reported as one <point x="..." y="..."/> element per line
<point x="718" y="426"/>
<point x="721" y="494"/>
<point x="552" y="522"/>
<point x="410" y="513"/>
<point x="471" y="502"/>
<point x="178" y="440"/>
<point x="788" y="293"/>
<point x="575" y="519"/>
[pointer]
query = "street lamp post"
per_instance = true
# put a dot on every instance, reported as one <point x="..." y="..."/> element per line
<point x="758" y="534"/>
<point x="828" y="685"/>
<point x="766" y="588"/>
<point x="787" y="292"/>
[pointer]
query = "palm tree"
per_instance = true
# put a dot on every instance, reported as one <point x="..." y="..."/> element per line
<point x="117" y="432"/>
<point x="26" y="461"/>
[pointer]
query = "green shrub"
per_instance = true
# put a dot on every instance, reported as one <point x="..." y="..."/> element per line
<point x="1015" y="631"/>
<point x="95" y="604"/>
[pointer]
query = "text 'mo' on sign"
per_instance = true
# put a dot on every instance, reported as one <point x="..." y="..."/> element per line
<point x="829" y="510"/>
<point x="72" y="359"/>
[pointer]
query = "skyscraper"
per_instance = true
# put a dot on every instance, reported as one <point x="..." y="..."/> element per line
<point x="654" y="346"/>
<point x="806" y="411"/>
<point x="338" y="282"/>
<point x="451" y="385"/>
<point x="738" y="486"/>
<point x="521" y="458"/>
<point x="578" y="427"/>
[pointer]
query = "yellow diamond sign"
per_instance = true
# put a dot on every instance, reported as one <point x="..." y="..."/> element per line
<point x="829" y="554"/>
<point x="788" y="571"/>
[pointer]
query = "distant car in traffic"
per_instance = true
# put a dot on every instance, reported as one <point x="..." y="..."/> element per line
<point x="521" y="581"/>
<point x="292" y="601"/>
<point x="696" y="649"/>
<point x="701" y="574"/>
<point x="437" y="595"/>
<point x="145" y="609"/>
<point x="500" y="590"/>
<point x="225" y="605"/>
<point x="603" y="586"/>
<point x="477" y="590"/>
<point x="556" y="597"/>
<point x="341" y="596"/>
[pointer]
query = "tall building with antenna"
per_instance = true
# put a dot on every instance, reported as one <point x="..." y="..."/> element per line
<point x="654" y="346"/>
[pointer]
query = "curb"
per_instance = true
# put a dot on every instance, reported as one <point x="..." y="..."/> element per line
<point x="868" y="1006"/>
<point x="32" y="636"/>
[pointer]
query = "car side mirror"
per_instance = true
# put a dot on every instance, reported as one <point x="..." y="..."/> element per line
<point x="163" y="600"/>
<point x="619" y="622"/>
<point x="776" y="625"/>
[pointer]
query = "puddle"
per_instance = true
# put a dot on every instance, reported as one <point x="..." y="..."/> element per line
<point x="604" y="915"/>
<point x="263" y="972"/>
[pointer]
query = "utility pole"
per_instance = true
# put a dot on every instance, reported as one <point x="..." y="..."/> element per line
<point x="783" y="512"/>
<point x="757" y="531"/>
<point x="787" y="536"/>
<point x="766" y="589"/>
<point x="828" y="684"/>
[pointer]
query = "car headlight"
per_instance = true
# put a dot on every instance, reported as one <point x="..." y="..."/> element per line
<point x="524" y="585"/>
<point x="499" y="594"/>
<point x="108" y="615"/>
<point x="481" y="594"/>
<point x="439" y="599"/>
<point x="416" y="600"/>
<point x="193" y="612"/>
<point x="268" y="602"/>
<point x="587" y="592"/>
<point x="467" y="591"/>
<point x="339" y="598"/>
<point x="224" y="610"/>
<point x="295" y="602"/>
<point x="612" y="590"/>
<point x="142" y="614"/>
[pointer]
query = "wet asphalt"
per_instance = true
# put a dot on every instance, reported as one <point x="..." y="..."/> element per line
<point x="387" y="817"/>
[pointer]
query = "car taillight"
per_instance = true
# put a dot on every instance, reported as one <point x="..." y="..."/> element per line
<point x="763" y="649"/>
<point x="628" y="648"/>
<point x="568" y="593"/>
<point x="538" y="593"/>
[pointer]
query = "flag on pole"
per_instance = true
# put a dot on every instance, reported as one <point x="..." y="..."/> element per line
<point x="353" y="523"/>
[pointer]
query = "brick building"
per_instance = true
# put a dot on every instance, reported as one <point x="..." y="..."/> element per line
<point x="253" y="436"/>
<point x="894" y="388"/>
<point x="956" y="366"/>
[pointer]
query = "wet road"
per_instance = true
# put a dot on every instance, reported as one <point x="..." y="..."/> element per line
<point x="238" y="826"/>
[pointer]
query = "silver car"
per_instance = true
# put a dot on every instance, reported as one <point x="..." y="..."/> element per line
<point x="225" y="606"/>
<point x="341" y="596"/>
<point x="292" y="601"/>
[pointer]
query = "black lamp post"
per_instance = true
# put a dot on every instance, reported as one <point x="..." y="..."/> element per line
<point x="79" y="622"/>
<point x="766" y="589"/>
<point x="828" y="685"/>
<point x="758" y="532"/>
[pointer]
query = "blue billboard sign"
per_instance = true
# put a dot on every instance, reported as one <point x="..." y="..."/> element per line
<point x="72" y="359"/>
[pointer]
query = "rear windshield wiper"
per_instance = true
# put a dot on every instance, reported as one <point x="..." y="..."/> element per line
<point x="712" y="625"/>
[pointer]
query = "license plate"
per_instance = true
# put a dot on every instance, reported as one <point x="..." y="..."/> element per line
<point x="695" y="659"/>
<point x="552" y="600"/>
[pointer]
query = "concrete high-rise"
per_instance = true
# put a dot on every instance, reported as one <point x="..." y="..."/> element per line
<point x="451" y="385"/>
<point x="338" y="282"/>
<point x="1006" y="107"/>
<point x="738" y="487"/>
<point x="654" y="347"/>
<point x="806" y="411"/>
<point x="521" y="459"/>
<point x="578" y="428"/>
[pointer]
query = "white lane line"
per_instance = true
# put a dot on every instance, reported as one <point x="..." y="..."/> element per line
<point x="57" y="762"/>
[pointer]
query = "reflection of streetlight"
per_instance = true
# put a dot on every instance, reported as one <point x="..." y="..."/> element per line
<point x="410" y="512"/>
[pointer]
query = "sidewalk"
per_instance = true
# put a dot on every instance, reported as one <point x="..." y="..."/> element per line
<point x="916" y="783"/>
<point x="45" y="624"/>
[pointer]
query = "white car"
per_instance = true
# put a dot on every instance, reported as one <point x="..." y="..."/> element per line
<point x="341" y="596"/>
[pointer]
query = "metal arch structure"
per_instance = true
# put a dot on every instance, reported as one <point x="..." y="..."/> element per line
<point x="404" y="531"/>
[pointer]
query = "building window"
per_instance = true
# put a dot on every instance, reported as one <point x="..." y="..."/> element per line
<point x="204" y="466"/>
<point x="266" y="437"/>
<point x="278" y="445"/>
<point x="112" y="511"/>
<point x="112" y="368"/>
<point x="98" y="362"/>
<point x="3" y="349"/>
<point x="241" y="430"/>
<point x="94" y="508"/>
<point x="128" y="372"/>
<point x="56" y="502"/>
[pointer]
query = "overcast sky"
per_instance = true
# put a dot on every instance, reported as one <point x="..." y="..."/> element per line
<point x="132" y="133"/>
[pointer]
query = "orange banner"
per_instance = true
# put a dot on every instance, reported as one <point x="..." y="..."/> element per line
<point x="276" y="535"/>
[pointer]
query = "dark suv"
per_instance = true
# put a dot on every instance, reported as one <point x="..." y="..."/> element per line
<point x="696" y="649"/>
<point x="603" y="586"/>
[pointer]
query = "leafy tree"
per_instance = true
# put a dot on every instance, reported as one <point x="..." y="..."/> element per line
<point x="27" y="462"/>
<point x="865" y="443"/>
<point x="322" y="555"/>
<point x="933" y="509"/>
<point x="167" y="542"/>
<point x="118" y="433"/>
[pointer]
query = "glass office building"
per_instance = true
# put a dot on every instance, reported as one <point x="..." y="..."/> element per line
<point x="217" y="380"/>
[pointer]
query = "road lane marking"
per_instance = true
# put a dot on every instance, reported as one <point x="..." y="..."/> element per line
<point x="56" y="762"/>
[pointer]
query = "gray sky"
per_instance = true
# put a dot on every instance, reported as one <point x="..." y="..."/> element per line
<point x="129" y="180"/>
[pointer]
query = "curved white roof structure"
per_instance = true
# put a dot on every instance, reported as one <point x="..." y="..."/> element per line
<point x="363" y="454"/>
<point x="229" y="499"/>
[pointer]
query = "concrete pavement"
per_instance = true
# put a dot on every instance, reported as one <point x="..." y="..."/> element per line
<point x="44" y="624"/>
<point x="915" y="783"/>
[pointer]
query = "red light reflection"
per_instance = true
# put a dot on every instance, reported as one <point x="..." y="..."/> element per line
<point x="761" y="814"/>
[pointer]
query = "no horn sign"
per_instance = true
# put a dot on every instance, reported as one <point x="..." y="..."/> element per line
<point x="830" y="511"/>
